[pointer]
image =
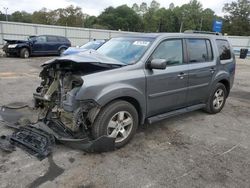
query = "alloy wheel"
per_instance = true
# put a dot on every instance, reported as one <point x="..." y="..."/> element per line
<point x="120" y="126"/>
<point x="219" y="98"/>
<point x="26" y="54"/>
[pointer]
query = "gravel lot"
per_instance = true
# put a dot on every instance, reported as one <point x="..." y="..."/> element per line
<point x="191" y="150"/>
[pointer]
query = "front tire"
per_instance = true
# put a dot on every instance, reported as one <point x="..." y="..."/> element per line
<point x="119" y="119"/>
<point x="217" y="99"/>
<point x="24" y="53"/>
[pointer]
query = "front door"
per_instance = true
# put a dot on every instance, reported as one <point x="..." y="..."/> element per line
<point x="38" y="46"/>
<point x="167" y="89"/>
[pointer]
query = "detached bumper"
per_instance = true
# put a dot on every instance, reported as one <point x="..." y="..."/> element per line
<point x="40" y="138"/>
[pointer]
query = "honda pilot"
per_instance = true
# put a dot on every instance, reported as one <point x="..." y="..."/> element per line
<point x="133" y="80"/>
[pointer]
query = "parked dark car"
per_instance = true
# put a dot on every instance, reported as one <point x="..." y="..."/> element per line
<point x="135" y="79"/>
<point x="36" y="45"/>
<point x="95" y="44"/>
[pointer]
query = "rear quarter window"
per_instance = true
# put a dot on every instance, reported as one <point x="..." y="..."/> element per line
<point x="224" y="49"/>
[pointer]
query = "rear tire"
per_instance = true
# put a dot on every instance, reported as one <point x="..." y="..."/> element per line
<point x="216" y="99"/>
<point x="118" y="119"/>
<point x="61" y="51"/>
<point x="24" y="53"/>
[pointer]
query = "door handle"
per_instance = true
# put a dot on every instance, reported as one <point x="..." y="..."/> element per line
<point x="212" y="70"/>
<point x="181" y="75"/>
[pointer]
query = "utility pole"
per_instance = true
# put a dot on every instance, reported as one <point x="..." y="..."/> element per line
<point x="182" y="21"/>
<point x="181" y="26"/>
<point x="201" y="24"/>
<point x="6" y="13"/>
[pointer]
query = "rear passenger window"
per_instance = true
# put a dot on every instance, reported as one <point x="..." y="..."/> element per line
<point x="199" y="50"/>
<point x="62" y="39"/>
<point x="52" y="39"/>
<point x="224" y="49"/>
<point x="171" y="50"/>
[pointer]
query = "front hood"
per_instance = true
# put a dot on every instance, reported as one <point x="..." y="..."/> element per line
<point x="15" y="41"/>
<point x="89" y="56"/>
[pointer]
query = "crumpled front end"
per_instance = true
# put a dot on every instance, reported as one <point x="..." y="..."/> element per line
<point x="59" y="114"/>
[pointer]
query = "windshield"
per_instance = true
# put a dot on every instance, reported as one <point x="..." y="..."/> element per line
<point x="31" y="37"/>
<point x="126" y="50"/>
<point x="92" y="45"/>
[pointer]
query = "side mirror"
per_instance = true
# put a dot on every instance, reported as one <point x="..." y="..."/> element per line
<point x="157" y="64"/>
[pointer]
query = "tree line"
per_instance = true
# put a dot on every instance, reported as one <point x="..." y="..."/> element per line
<point x="145" y="18"/>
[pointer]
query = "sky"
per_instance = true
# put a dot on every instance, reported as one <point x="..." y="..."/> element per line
<point x="95" y="7"/>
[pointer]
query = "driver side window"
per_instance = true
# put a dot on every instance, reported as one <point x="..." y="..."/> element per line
<point x="170" y="50"/>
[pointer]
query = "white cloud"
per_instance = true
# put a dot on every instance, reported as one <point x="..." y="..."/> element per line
<point x="95" y="7"/>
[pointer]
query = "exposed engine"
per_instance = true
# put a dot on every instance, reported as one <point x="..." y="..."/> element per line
<point x="55" y="97"/>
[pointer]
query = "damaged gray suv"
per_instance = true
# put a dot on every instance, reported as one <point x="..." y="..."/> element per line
<point x="136" y="79"/>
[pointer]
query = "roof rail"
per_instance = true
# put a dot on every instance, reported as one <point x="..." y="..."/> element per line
<point x="202" y="32"/>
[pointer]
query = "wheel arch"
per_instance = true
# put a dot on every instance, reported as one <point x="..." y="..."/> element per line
<point x="224" y="78"/>
<point x="25" y="46"/>
<point x="226" y="83"/>
<point x="135" y="103"/>
<point x="62" y="47"/>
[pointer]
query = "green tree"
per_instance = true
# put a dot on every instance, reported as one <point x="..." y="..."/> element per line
<point x="21" y="17"/>
<point x="70" y="16"/>
<point x="161" y="20"/>
<point x="171" y="6"/>
<point x="154" y="5"/>
<point x="136" y="8"/>
<point x="189" y="15"/>
<point x="90" y="21"/>
<point x="122" y="17"/>
<point x="207" y="20"/>
<point x="166" y="20"/>
<point x="2" y="16"/>
<point x="41" y="17"/>
<point x="237" y="19"/>
<point x="151" y="20"/>
<point x="143" y="8"/>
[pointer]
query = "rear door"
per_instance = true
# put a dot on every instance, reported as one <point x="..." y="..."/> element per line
<point x="167" y="89"/>
<point x="202" y="67"/>
<point x="52" y="44"/>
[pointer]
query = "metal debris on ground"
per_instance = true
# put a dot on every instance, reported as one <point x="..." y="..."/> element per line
<point x="5" y="144"/>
